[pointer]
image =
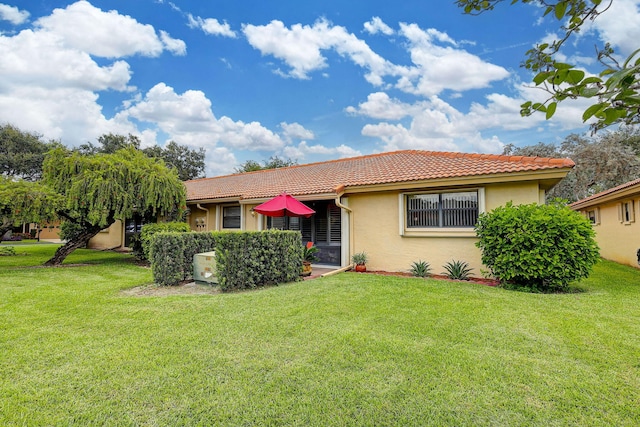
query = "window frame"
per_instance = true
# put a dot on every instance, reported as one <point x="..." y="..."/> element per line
<point x="626" y="212"/>
<point x="223" y="217"/>
<point x="438" y="231"/>
<point x="596" y="215"/>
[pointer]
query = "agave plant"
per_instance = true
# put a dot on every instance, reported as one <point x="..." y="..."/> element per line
<point x="457" y="270"/>
<point x="420" y="269"/>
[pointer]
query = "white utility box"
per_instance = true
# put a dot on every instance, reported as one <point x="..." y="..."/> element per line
<point x="204" y="267"/>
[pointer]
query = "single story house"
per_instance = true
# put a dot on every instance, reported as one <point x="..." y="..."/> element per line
<point x="398" y="207"/>
<point x="613" y="214"/>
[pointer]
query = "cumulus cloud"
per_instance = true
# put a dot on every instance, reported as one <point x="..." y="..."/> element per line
<point x="292" y="131"/>
<point x="303" y="150"/>
<point x="619" y="25"/>
<point x="86" y="28"/>
<point x="380" y="106"/>
<point x="437" y="67"/>
<point x="301" y="46"/>
<point x="13" y="14"/>
<point x="188" y="118"/>
<point x="376" y="25"/>
<point x="175" y="46"/>
<point x="211" y="26"/>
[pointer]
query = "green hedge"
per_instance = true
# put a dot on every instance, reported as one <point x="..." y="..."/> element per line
<point x="171" y="255"/>
<point x="148" y="230"/>
<point x="247" y="260"/>
<point x="537" y="247"/>
<point x="244" y="260"/>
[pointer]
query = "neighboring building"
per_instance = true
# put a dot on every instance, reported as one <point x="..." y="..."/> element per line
<point x="613" y="214"/>
<point x="116" y="236"/>
<point x="398" y="207"/>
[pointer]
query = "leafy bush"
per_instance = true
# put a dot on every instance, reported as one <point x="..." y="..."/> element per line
<point x="171" y="255"/>
<point x="457" y="270"/>
<point x="420" y="269"/>
<point x="246" y="260"/>
<point x="7" y="251"/>
<point x="540" y="247"/>
<point x="167" y="258"/>
<point x="243" y="259"/>
<point x="141" y="243"/>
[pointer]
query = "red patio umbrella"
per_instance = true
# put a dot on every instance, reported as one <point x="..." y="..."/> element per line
<point x="284" y="205"/>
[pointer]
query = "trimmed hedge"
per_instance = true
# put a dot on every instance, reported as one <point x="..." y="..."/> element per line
<point x="245" y="260"/>
<point x="248" y="260"/>
<point x="537" y="247"/>
<point x="171" y="255"/>
<point x="148" y="230"/>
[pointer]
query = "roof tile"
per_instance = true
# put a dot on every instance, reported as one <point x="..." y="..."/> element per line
<point x="335" y="175"/>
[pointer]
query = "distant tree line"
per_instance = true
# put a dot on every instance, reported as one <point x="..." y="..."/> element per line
<point x="602" y="162"/>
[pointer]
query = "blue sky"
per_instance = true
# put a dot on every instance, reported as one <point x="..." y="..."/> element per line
<point x="312" y="80"/>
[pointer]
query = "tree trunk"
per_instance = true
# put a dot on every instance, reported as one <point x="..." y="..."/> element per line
<point x="78" y="241"/>
<point x="4" y="227"/>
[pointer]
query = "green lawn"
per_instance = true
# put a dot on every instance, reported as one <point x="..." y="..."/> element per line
<point x="350" y="349"/>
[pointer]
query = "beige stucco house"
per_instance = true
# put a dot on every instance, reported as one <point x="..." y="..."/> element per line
<point x="398" y="207"/>
<point x="614" y="215"/>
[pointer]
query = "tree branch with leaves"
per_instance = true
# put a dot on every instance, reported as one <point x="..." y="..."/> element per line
<point x="615" y="90"/>
<point x="99" y="189"/>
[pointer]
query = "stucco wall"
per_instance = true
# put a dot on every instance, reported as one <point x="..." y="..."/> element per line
<point x="376" y="230"/>
<point x="618" y="241"/>
<point x="111" y="237"/>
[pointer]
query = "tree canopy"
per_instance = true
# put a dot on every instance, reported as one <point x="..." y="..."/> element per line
<point x="189" y="163"/>
<point x="22" y="153"/>
<point x="602" y="162"/>
<point x="614" y="90"/>
<point x="101" y="188"/>
<point x="274" y="162"/>
<point x="24" y="201"/>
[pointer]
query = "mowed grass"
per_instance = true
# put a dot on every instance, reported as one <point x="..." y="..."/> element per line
<point x="352" y="349"/>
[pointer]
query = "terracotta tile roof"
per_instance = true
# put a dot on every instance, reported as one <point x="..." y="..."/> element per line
<point x="592" y="200"/>
<point x="394" y="167"/>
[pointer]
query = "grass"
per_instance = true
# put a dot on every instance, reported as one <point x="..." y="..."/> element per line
<point x="344" y="350"/>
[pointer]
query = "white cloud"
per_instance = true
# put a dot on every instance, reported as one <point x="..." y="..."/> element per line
<point x="188" y="119"/>
<point x="376" y="25"/>
<point x="86" y="28"/>
<point x="175" y="46"/>
<point x="292" y="131"/>
<point x="438" y="67"/>
<point x="211" y="26"/>
<point x="619" y="25"/>
<point x="379" y="106"/>
<point x="301" y="48"/>
<point x="13" y="14"/>
<point x="305" y="151"/>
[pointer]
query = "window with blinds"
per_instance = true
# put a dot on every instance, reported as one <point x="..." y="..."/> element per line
<point x="231" y="217"/>
<point x="459" y="209"/>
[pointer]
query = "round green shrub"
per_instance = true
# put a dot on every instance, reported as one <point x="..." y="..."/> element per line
<point x="540" y="247"/>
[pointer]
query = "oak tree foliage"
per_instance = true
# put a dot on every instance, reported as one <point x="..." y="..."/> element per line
<point x="274" y="162"/>
<point x="614" y="89"/>
<point x="22" y="153"/>
<point x="602" y="162"/>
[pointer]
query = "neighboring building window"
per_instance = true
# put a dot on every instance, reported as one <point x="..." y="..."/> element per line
<point x="626" y="212"/>
<point x="459" y="209"/>
<point x="231" y="217"/>
<point x="593" y="216"/>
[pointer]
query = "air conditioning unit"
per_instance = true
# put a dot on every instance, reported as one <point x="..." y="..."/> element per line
<point x="204" y="267"/>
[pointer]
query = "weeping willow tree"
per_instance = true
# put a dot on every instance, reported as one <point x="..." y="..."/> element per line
<point x="23" y="201"/>
<point x="103" y="188"/>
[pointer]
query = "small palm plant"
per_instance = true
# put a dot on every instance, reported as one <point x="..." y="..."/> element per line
<point x="457" y="270"/>
<point x="420" y="269"/>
